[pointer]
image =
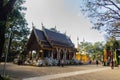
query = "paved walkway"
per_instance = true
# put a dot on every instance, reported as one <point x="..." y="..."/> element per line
<point x="61" y="75"/>
<point x="73" y="72"/>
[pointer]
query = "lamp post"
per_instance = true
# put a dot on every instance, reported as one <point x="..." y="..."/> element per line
<point x="8" y="47"/>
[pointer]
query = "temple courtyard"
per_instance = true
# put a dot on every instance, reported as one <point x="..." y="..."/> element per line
<point x="73" y="72"/>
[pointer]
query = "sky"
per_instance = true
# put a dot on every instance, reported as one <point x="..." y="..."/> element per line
<point x="65" y="15"/>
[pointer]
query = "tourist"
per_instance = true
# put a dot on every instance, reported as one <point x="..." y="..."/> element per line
<point x="62" y="62"/>
<point x="59" y="62"/>
<point x="97" y="62"/>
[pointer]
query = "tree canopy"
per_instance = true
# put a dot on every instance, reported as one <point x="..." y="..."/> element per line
<point x="16" y="23"/>
<point x="94" y="50"/>
<point x="12" y="21"/>
<point x="112" y="44"/>
<point x="6" y="7"/>
<point x="104" y="14"/>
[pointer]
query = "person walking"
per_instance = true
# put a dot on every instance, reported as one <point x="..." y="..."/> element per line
<point x="62" y="62"/>
<point x="58" y="62"/>
<point x="112" y="64"/>
<point x="112" y="60"/>
<point x="97" y="62"/>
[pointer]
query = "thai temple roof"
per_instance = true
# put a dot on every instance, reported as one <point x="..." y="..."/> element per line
<point x="47" y="38"/>
<point x="55" y="38"/>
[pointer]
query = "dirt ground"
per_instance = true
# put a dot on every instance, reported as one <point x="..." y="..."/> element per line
<point x="18" y="72"/>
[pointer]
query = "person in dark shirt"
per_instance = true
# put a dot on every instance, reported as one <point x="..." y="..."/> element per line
<point x="97" y="62"/>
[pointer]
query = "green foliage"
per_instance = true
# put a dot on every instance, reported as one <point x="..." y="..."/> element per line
<point x="94" y="50"/>
<point x="17" y="24"/>
<point x="98" y="46"/>
<point x="112" y="44"/>
<point x="5" y="78"/>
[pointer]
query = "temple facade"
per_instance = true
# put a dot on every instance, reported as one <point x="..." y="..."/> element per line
<point x="49" y="44"/>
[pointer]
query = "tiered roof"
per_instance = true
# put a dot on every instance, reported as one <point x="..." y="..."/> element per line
<point x="47" y="39"/>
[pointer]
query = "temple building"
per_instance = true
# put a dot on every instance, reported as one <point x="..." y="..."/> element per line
<point x="47" y="43"/>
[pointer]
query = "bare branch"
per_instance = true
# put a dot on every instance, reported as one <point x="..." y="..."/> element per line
<point x="103" y="13"/>
<point x="114" y="4"/>
<point x="112" y="10"/>
<point x="105" y="5"/>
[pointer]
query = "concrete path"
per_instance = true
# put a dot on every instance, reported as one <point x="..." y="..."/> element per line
<point x="48" y="77"/>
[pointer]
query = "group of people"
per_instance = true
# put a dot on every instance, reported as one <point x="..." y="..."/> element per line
<point x="111" y="63"/>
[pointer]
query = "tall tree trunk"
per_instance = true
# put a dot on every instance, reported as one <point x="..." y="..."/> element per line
<point x="2" y="33"/>
<point x="4" y="12"/>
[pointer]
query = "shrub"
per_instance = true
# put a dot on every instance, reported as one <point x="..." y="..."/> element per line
<point x="5" y="78"/>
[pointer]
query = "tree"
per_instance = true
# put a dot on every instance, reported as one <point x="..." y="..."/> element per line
<point x="6" y="6"/>
<point x="16" y="23"/>
<point x="112" y="43"/>
<point x="87" y="46"/>
<point x="20" y="32"/>
<point x="104" y="14"/>
<point x="95" y="50"/>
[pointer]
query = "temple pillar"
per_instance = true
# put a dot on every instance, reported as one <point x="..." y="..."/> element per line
<point x="52" y="53"/>
<point x="69" y="55"/>
<point x="58" y="53"/>
<point x="74" y="55"/>
<point x="37" y="55"/>
<point x="42" y="54"/>
<point x="30" y="55"/>
<point x="64" y="52"/>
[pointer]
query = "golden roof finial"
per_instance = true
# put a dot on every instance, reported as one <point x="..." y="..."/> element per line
<point x="42" y="26"/>
<point x="33" y="25"/>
